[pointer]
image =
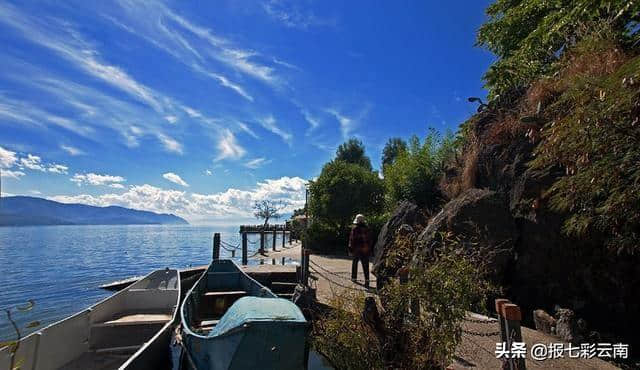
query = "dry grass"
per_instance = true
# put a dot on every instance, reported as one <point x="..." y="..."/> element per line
<point x="466" y="168"/>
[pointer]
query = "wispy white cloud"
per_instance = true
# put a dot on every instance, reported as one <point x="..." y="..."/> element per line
<point x="72" y="150"/>
<point x="58" y="168"/>
<point x="257" y="163"/>
<point x="21" y="111"/>
<point x="171" y="118"/>
<point x="228" y="147"/>
<point x="247" y="129"/>
<point x="9" y="174"/>
<point x="170" y="144"/>
<point x="348" y="124"/>
<point x="191" y="112"/>
<point x="294" y="14"/>
<point x="314" y="122"/>
<point x="200" y="208"/>
<point x="7" y="158"/>
<point x="208" y="172"/>
<point x="170" y="176"/>
<point x="194" y="45"/>
<point x="285" y="64"/>
<point x="61" y="38"/>
<point x="269" y="123"/>
<point x="98" y="180"/>
<point x="32" y="162"/>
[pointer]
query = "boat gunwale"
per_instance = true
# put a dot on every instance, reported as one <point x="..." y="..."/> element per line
<point x="89" y="309"/>
<point x="185" y="324"/>
<point x="160" y="332"/>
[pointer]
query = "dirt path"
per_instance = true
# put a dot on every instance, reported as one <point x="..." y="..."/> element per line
<point x="480" y="333"/>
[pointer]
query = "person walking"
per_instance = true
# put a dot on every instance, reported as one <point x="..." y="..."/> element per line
<point x="360" y="248"/>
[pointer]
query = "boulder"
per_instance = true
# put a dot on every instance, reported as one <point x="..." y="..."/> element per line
<point x="569" y="328"/>
<point x="482" y="221"/>
<point x="544" y="322"/>
<point x="404" y="218"/>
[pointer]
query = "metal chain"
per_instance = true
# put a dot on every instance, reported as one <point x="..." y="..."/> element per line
<point x="481" y="321"/>
<point x="337" y="274"/>
<point x="478" y="334"/>
<point x="335" y="282"/>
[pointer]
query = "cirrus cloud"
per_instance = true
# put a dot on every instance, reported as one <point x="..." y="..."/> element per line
<point x="170" y="176"/>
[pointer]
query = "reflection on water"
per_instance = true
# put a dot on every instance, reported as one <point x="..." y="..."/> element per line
<point x="61" y="267"/>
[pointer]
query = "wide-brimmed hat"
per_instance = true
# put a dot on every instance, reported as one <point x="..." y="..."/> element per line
<point x="359" y="219"/>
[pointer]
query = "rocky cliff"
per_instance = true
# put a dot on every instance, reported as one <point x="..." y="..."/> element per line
<point x="497" y="203"/>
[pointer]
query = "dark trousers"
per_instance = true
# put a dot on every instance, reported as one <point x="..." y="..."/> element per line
<point x="365" y="267"/>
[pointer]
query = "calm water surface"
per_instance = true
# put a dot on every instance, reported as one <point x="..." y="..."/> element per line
<point x="61" y="267"/>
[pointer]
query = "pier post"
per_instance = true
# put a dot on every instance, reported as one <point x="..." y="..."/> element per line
<point x="306" y="267"/>
<point x="283" y="261"/>
<point x="273" y="245"/>
<point x="216" y="246"/>
<point x="273" y="261"/>
<point x="261" y="241"/>
<point x="244" y="249"/>
<point x="289" y="237"/>
<point x="511" y="316"/>
<point x="503" y="331"/>
<point x="283" y="232"/>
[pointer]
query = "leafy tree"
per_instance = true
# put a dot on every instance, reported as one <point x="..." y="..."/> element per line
<point x="528" y="36"/>
<point x="415" y="174"/>
<point x="298" y="212"/>
<point x="343" y="190"/>
<point x="267" y="209"/>
<point x="392" y="150"/>
<point x="352" y="151"/>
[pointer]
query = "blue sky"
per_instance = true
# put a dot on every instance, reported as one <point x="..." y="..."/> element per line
<point x="201" y="108"/>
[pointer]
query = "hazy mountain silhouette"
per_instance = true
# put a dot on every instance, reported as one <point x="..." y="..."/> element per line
<point x="21" y="210"/>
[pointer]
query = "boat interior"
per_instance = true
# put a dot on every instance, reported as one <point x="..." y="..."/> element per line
<point x="105" y="335"/>
<point x="221" y="286"/>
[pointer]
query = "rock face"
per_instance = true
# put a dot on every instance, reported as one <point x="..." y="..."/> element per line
<point x="405" y="216"/>
<point x="544" y="322"/>
<point x="538" y="266"/>
<point x="477" y="216"/>
<point x="569" y="328"/>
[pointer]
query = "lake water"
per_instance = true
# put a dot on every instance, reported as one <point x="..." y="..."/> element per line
<point x="61" y="267"/>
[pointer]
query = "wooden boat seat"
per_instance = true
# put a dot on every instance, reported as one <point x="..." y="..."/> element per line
<point x="137" y="319"/>
<point x="106" y="358"/>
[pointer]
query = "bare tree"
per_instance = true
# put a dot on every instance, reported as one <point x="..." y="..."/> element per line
<point x="267" y="209"/>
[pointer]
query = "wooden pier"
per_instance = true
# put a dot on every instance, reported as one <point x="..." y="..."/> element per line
<point x="265" y="231"/>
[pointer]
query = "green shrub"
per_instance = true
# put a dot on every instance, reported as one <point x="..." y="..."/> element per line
<point x="324" y="238"/>
<point x="416" y="172"/>
<point x="420" y="321"/>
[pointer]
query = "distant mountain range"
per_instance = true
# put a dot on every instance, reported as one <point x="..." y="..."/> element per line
<point x="17" y="211"/>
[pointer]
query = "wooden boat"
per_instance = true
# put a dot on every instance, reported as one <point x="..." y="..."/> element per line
<point x="230" y="321"/>
<point x="128" y="330"/>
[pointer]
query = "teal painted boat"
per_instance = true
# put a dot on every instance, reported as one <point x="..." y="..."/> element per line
<point x="230" y="321"/>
